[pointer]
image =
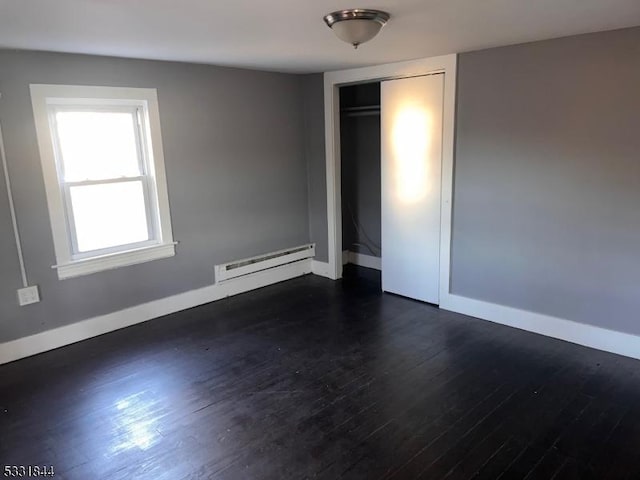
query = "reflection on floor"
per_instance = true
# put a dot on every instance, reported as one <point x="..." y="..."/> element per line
<point x="318" y="379"/>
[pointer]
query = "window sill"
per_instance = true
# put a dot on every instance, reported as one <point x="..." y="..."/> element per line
<point x="87" y="266"/>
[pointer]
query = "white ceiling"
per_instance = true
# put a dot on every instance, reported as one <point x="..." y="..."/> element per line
<point x="289" y="35"/>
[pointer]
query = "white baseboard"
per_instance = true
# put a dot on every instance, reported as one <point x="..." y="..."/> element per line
<point x="345" y="257"/>
<point x="367" y="261"/>
<point x="320" y="268"/>
<point x="59" y="337"/>
<point x="570" y="331"/>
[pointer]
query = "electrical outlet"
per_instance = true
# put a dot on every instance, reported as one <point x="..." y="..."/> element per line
<point x="28" y="295"/>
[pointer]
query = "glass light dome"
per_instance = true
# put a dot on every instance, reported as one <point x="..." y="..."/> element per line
<point x="356" y="26"/>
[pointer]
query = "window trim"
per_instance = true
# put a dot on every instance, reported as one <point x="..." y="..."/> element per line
<point x="70" y="264"/>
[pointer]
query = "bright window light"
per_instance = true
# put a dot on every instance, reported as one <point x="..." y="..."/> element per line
<point x="97" y="145"/>
<point x="108" y="215"/>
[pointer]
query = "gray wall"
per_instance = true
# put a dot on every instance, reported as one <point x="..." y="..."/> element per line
<point x="316" y="166"/>
<point x="547" y="178"/>
<point x="234" y="147"/>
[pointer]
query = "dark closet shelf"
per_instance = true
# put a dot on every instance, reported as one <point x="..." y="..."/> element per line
<point x="361" y="111"/>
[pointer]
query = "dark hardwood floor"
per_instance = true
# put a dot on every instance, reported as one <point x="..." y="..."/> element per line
<point x="318" y="379"/>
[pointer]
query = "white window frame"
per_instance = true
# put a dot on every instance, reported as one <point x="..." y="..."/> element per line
<point x="69" y="261"/>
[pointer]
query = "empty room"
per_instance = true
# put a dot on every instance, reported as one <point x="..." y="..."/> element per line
<point x="289" y="240"/>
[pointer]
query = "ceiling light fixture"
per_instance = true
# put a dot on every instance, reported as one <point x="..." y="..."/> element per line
<point x="356" y="25"/>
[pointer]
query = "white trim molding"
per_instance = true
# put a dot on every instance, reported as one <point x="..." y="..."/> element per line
<point x="582" y="334"/>
<point x="76" y="332"/>
<point x="446" y="64"/>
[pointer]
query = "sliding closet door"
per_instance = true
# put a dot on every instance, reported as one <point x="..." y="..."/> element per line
<point x="411" y="110"/>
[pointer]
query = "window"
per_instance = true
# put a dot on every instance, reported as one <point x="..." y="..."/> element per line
<point x="103" y="168"/>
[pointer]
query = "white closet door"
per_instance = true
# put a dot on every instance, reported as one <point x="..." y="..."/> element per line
<point x="411" y="110"/>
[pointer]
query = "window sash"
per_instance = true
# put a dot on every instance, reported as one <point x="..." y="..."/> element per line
<point x="152" y="223"/>
<point x="76" y="254"/>
<point x="137" y="123"/>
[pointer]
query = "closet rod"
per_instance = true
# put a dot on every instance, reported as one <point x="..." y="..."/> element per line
<point x="361" y="111"/>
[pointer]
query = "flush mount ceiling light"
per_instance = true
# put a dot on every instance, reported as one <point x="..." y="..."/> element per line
<point x="356" y="25"/>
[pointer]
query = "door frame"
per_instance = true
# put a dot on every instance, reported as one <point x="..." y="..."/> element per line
<point x="446" y="64"/>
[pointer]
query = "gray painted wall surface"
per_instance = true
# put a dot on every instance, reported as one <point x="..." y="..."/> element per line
<point x="237" y="177"/>
<point x="314" y="153"/>
<point x="547" y="178"/>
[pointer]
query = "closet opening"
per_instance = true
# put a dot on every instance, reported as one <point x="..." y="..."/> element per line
<point x="391" y="182"/>
<point x="360" y="151"/>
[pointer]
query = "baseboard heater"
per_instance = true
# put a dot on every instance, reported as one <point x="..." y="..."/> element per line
<point x="246" y="266"/>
